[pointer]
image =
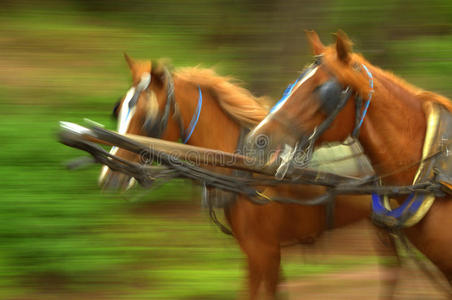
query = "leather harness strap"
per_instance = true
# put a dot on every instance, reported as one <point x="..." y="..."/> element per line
<point x="227" y="198"/>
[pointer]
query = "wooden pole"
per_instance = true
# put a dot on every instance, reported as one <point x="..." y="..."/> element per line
<point x="194" y="154"/>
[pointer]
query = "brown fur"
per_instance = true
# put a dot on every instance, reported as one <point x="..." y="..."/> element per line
<point x="359" y="81"/>
<point x="392" y="134"/>
<point x="238" y="102"/>
<point x="259" y="230"/>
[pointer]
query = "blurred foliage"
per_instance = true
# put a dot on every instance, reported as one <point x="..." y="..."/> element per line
<point x="62" y="60"/>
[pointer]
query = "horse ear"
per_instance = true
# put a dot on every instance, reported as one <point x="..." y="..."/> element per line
<point x="158" y="71"/>
<point x="129" y="61"/>
<point x="158" y="68"/>
<point x="343" y="46"/>
<point x="316" y="45"/>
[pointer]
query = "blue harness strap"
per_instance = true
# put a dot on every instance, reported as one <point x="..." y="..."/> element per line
<point x="408" y="208"/>
<point x="366" y="106"/>
<point x="288" y="91"/>
<point x="194" y="119"/>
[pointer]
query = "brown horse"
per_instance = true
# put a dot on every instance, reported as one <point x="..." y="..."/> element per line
<point x="392" y="132"/>
<point x="226" y="107"/>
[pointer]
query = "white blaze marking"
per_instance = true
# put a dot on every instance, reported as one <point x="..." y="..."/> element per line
<point x="279" y="105"/>
<point x="306" y="77"/>
<point x="126" y="113"/>
<point x="299" y="83"/>
<point x="125" y="116"/>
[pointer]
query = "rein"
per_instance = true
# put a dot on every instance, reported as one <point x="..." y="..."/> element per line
<point x="182" y="168"/>
<point x="156" y="129"/>
<point x="306" y="145"/>
<point x="390" y="219"/>
<point x="235" y="183"/>
<point x="304" y="149"/>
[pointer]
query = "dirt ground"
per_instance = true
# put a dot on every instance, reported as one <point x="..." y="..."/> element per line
<point x="358" y="242"/>
<point x="362" y="282"/>
<point x="355" y="243"/>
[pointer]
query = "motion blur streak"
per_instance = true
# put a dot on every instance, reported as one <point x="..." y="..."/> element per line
<point x="62" y="238"/>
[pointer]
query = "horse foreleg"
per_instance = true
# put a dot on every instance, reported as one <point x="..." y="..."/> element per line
<point x="263" y="270"/>
<point x="390" y="262"/>
<point x="260" y="243"/>
<point x="272" y="272"/>
<point x="254" y="276"/>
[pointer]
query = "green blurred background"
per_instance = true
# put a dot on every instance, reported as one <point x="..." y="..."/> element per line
<point x="62" y="60"/>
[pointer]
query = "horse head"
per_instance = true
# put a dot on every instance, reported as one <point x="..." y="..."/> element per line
<point x="317" y="108"/>
<point x="143" y="110"/>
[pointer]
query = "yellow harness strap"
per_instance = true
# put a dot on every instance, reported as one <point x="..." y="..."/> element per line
<point x="432" y="111"/>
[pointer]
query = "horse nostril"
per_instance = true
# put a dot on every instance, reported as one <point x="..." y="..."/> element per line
<point x="262" y="141"/>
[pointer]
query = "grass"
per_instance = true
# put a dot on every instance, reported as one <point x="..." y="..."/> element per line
<point x="59" y="234"/>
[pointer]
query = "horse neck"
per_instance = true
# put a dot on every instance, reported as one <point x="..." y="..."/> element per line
<point x="215" y="128"/>
<point x="393" y="131"/>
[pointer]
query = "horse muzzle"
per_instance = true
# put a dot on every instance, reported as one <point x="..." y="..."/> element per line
<point x="112" y="180"/>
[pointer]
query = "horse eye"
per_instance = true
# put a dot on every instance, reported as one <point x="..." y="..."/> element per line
<point x="115" y="112"/>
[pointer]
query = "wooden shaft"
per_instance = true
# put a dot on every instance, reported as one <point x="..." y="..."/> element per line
<point x="197" y="155"/>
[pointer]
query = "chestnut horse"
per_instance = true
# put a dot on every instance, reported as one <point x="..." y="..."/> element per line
<point x="391" y="121"/>
<point x="209" y="111"/>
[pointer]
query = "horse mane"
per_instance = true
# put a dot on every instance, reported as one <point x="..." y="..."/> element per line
<point x="235" y="100"/>
<point x="361" y="83"/>
<point x="419" y="93"/>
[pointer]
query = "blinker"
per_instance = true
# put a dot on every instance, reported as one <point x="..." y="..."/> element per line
<point x="329" y="94"/>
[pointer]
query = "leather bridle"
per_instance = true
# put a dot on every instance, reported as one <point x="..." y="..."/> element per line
<point x="156" y="128"/>
<point x="333" y="97"/>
